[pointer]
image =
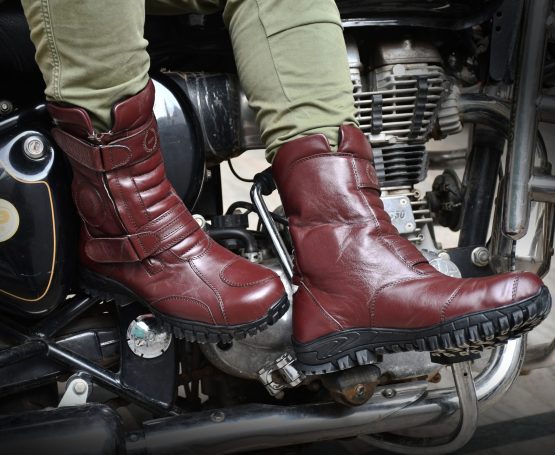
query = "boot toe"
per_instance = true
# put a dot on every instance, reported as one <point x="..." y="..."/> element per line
<point x="255" y="290"/>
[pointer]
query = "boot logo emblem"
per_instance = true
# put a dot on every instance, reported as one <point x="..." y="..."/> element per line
<point x="150" y="142"/>
<point x="337" y="345"/>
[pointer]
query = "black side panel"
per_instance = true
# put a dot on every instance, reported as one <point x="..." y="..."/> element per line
<point x="37" y="226"/>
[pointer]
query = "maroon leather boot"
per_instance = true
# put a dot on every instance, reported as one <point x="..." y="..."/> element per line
<point x="365" y="290"/>
<point x="138" y="240"/>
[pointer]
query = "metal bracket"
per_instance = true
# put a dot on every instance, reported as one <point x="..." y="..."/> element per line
<point x="268" y="222"/>
<point x="78" y="389"/>
<point x="468" y="405"/>
<point x="280" y="374"/>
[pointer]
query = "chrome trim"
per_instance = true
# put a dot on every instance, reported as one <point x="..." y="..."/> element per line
<point x="258" y="427"/>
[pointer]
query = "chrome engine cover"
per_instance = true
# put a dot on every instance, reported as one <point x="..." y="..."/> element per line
<point x="244" y="358"/>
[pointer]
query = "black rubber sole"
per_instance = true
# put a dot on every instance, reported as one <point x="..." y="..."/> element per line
<point x="457" y="339"/>
<point x="110" y="290"/>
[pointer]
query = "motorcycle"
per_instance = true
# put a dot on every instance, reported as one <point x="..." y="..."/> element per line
<point x="81" y="374"/>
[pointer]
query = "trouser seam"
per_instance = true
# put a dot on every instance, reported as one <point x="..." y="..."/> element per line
<point x="56" y="64"/>
<point x="271" y="53"/>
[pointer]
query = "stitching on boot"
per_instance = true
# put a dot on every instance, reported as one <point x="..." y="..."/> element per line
<point x="322" y="309"/>
<point x="515" y="286"/>
<point x="383" y="288"/>
<point x="211" y="286"/>
<point x="319" y="155"/>
<point x="188" y="299"/>
<point x="118" y="183"/>
<point x="454" y="294"/>
<point x="148" y="216"/>
<point x="239" y="285"/>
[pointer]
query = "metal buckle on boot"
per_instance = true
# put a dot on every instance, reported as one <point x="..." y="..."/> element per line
<point x="280" y="374"/>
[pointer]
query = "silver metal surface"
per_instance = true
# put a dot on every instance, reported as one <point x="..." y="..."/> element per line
<point x="542" y="188"/>
<point x="78" y="390"/>
<point x="268" y="222"/>
<point x="280" y="374"/>
<point x="524" y="118"/>
<point x="420" y="235"/>
<point x="468" y="421"/>
<point x="412" y="404"/>
<point x="480" y="256"/>
<point x="405" y="51"/>
<point x="147" y="338"/>
<point x="442" y="263"/>
<point x="244" y="358"/>
<point x="399" y="210"/>
<point x="249" y="134"/>
<point x="397" y="85"/>
<point x="34" y="148"/>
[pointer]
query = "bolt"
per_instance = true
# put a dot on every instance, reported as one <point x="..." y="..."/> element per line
<point x="5" y="107"/>
<point x="389" y="393"/>
<point x="217" y="416"/>
<point x="444" y="255"/>
<point x="480" y="256"/>
<point x="403" y="202"/>
<point x="360" y="390"/>
<point x="409" y="226"/>
<point x="33" y="148"/>
<point x="80" y="387"/>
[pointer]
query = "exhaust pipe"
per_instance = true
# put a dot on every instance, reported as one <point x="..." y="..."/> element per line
<point x="259" y="427"/>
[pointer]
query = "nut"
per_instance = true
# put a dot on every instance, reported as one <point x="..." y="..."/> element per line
<point x="480" y="256"/>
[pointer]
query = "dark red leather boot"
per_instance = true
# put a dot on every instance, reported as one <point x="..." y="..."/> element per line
<point x="364" y="289"/>
<point x="138" y="240"/>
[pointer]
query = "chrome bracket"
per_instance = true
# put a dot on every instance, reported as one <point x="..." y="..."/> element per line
<point x="468" y="421"/>
<point x="78" y="390"/>
<point x="280" y="374"/>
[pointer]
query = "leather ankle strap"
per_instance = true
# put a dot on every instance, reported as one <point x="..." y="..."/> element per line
<point x="133" y="148"/>
<point x="136" y="247"/>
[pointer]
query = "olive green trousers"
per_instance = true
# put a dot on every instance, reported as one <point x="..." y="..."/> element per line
<point x="290" y="56"/>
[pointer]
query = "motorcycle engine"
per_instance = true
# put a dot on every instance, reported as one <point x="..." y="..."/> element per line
<point x="403" y="99"/>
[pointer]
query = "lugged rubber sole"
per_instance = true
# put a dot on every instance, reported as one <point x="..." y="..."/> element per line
<point x="107" y="289"/>
<point x="464" y="336"/>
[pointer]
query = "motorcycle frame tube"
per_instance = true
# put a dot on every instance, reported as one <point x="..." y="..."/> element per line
<point x="524" y="118"/>
<point x="259" y="427"/>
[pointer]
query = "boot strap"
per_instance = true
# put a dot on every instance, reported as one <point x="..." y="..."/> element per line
<point x="118" y="154"/>
<point x="136" y="247"/>
<point x="365" y="175"/>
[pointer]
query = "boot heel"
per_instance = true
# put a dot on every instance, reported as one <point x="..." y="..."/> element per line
<point x="104" y="288"/>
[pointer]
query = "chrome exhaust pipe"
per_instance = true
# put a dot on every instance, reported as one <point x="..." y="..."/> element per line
<point x="259" y="427"/>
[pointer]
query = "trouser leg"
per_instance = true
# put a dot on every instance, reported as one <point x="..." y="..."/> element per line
<point x="290" y="55"/>
<point x="91" y="53"/>
<point x="293" y="66"/>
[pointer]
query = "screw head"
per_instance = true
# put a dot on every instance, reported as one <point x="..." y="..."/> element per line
<point x="217" y="416"/>
<point x="389" y="393"/>
<point x="360" y="390"/>
<point x="33" y="147"/>
<point x="409" y="226"/>
<point x="80" y="387"/>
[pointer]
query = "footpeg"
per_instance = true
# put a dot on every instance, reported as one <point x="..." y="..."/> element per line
<point x="450" y="358"/>
<point x="280" y="374"/>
